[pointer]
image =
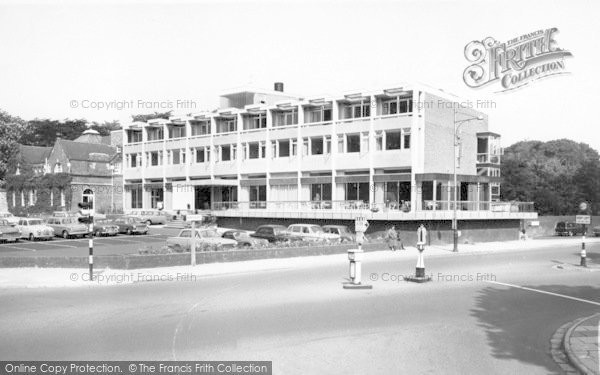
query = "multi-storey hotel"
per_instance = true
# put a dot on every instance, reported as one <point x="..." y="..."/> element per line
<point x="386" y="154"/>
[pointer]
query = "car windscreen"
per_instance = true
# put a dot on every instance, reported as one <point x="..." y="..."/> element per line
<point x="209" y="233"/>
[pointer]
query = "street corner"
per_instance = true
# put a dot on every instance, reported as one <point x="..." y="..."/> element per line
<point x="581" y="344"/>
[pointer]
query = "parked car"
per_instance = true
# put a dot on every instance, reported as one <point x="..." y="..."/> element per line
<point x="182" y="242"/>
<point x="244" y="239"/>
<point x="275" y="233"/>
<point x="67" y="227"/>
<point x="9" y="217"/>
<point x="313" y="233"/>
<point x="130" y="225"/>
<point x="9" y="231"/>
<point x="340" y="230"/>
<point x="34" y="229"/>
<point x="151" y="217"/>
<point x="596" y="231"/>
<point x="568" y="228"/>
<point x="105" y="227"/>
<point x="63" y="214"/>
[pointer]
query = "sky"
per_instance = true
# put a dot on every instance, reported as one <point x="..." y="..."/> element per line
<point x="61" y="58"/>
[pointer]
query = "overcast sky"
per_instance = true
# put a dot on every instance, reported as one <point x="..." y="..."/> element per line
<point x="58" y="51"/>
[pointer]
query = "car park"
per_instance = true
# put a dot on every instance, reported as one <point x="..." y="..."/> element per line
<point x="204" y="237"/>
<point x="275" y="233"/>
<point x="568" y="228"/>
<point x="34" y="229"/>
<point x="313" y="233"/>
<point x="105" y="227"/>
<point x="130" y="225"/>
<point x="151" y="217"/>
<point x="67" y="227"/>
<point x="9" y="231"/>
<point x="244" y="239"/>
<point x="340" y="230"/>
<point x="9" y="217"/>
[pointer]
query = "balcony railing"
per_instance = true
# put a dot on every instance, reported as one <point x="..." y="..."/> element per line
<point x="488" y="158"/>
<point x="479" y="206"/>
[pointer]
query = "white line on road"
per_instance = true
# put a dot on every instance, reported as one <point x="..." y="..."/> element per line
<point x="14" y="247"/>
<point x="545" y="292"/>
<point x="53" y="244"/>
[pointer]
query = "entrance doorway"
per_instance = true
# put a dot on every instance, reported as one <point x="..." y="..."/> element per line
<point x="202" y="199"/>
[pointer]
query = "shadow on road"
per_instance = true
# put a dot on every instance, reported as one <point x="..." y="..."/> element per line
<point x="520" y="323"/>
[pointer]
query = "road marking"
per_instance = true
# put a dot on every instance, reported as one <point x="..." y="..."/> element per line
<point x="18" y="248"/>
<point x="545" y="292"/>
<point x="61" y="245"/>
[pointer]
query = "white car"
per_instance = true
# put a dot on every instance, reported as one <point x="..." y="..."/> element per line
<point x="313" y="233"/>
<point x="9" y="217"/>
<point x="34" y="229"/>
<point x="206" y="237"/>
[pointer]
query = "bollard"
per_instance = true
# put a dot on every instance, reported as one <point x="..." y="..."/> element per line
<point x="355" y="256"/>
<point x="583" y="262"/>
<point x="420" y="276"/>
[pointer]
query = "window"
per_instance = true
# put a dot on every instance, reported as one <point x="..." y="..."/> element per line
<point x="200" y="127"/>
<point x="320" y="192"/>
<point x="256" y="122"/>
<point x="294" y="148"/>
<point x="133" y="160"/>
<point x="155" y="158"/>
<point x="286" y="118"/>
<point x="156" y="197"/>
<point x="175" y="159"/>
<point x="258" y="196"/>
<point x="379" y="141"/>
<point x="353" y="143"/>
<point x="316" y="146"/>
<point x="356" y="110"/>
<point x="88" y="197"/>
<point x="155" y="134"/>
<point x="357" y="191"/>
<point x="185" y="233"/>
<point x="58" y="168"/>
<point x="328" y="144"/>
<point x="304" y="146"/>
<point x="396" y="106"/>
<point x="364" y="142"/>
<point x="392" y="140"/>
<point x="176" y="131"/>
<point x="226" y="153"/>
<point x="253" y="150"/>
<point x="226" y="125"/>
<point x="320" y="114"/>
<point x="397" y="193"/>
<point x="201" y="155"/>
<point x="406" y="140"/>
<point x="135" y="136"/>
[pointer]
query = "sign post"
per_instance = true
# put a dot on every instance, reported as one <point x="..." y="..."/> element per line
<point x="87" y="217"/>
<point x="420" y="276"/>
<point x="584" y="218"/>
<point x="355" y="256"/>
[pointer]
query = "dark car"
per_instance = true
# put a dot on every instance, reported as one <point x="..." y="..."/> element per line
<point x="274" y="233"/>
<point x="244" y="239"/>
<point x="105" y="227"/>
<point x="341" y="230"/>
<point x="131" y="225"/>
<point x="568" y="228"/>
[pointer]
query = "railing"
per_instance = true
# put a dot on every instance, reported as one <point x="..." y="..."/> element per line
<point x="488" y="158"/>
<point x="359" y="205"/>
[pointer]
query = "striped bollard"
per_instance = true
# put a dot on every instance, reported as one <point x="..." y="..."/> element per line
<point x="91" y="247"/>
<point x="583" y="262"/>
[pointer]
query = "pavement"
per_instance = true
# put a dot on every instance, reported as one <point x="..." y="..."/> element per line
<point x="582" y="345"/>
<point x="79" y="277"/>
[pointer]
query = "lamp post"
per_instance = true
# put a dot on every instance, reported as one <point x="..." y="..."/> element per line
<point x="457" y="124"/>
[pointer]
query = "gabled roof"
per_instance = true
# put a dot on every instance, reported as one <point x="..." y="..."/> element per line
<point x="86" y="151"/>
<point x="34" y="154"/>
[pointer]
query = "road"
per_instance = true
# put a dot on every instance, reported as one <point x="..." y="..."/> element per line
<point x="303" y="321"/>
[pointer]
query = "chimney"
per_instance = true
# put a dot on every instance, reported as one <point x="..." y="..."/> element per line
<point x="278" y="86"/>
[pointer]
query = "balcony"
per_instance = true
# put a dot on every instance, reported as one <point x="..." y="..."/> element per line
<point x="487" y="158"/>
<point x="350" y="209"/>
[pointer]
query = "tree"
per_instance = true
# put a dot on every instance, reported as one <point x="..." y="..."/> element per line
<point x="555" y="175"/>
<point x="10" y="132"/>
<point x="152" y="116"/>
<point x="106" y="127"/>
<point x="44" y="132"/>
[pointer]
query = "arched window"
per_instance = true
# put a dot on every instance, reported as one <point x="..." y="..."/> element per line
<point x="88" y="197"/>
<point x="58" y="168"/>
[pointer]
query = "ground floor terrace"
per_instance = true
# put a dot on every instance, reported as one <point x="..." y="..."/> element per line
<point x="384" y="197"/>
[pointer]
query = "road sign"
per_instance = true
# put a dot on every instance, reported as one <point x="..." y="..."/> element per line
<point x="194" y="217"/>
<point x="360" y="224"/>
<point x="583" y="206"/>
<point x="583" y="219"/>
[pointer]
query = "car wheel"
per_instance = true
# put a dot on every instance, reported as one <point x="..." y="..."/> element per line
<point x="148" y="222"/>
<point x="177" y="248"/>
<point x="31" y="238"/>
<point x="129" y="232"/>
<point x="65" y="234"/>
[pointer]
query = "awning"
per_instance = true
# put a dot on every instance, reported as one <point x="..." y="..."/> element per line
<point x="283" y="181"/>
<point x="253" y="182"/>
<point x="315" y="180"/>
<point x="351" y="179"/>
<point x="391" y="177"/>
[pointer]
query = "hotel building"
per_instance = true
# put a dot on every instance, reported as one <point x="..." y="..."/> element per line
<point x="385" y="154"/>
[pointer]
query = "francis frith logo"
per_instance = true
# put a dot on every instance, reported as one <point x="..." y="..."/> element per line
<point x="515" y="63"/>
